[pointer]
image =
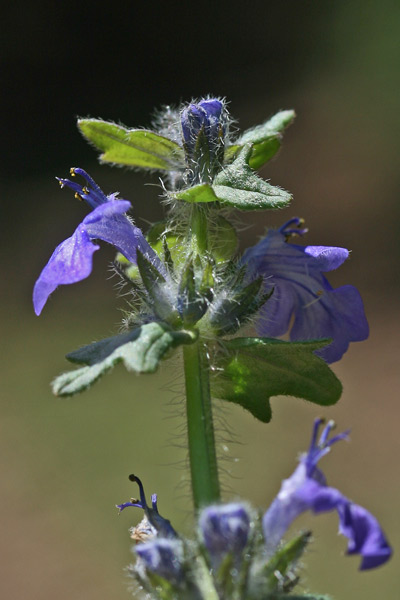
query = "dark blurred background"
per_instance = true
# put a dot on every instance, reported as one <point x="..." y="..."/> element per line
<point x="65" y="462"/>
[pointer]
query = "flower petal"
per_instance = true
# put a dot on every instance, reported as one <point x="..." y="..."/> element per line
<point x="337" y="314"/>
<point x="276" y="314"/>
<point x="109" y="223"/>
<point x="305" y="490"/>
<point x="72" y="259"/>
<point x="326" y="258"/>
<point x="301" y="289"/>
<point x="365" y="535"/>
<point x="70" y="262"/>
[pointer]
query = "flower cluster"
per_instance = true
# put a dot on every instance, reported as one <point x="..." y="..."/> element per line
<point x="236" y="549"/>
<point x="190" y="289"/>
<point x="293" y="275"/>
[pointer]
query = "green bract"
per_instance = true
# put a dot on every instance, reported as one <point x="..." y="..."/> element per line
<point x="140" y="350"/>
<point x="249" y="371"/>
<point x="131" y="147"/>
<point x="238" y="186"/>
<point x="265" y="139"/>
<point x="222" y="241"/>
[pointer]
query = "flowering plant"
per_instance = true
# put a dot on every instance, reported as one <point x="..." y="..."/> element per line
<point x="190" y="290"/>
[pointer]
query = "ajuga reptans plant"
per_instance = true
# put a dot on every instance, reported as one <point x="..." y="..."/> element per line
<point x="191" y="291"/>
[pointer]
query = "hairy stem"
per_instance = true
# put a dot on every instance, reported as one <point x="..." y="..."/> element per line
<point x="201" y="441"/>
<point x="199" y="230"/>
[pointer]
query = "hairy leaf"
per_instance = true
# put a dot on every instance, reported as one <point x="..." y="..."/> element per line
<point x="198" y="193"/>
<point x="132" y="147"/>
<point x="140" y="350"/>
<point x="237" y="185"/>
<point x="249" y="371"/>
<point x="265" y="138"/>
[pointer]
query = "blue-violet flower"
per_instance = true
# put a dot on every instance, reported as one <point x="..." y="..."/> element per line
<point x="164" y="557"/>
<point x="206" y="115"/>
<point x="306" y="489"/>
<point x="300" y="289"/>
<point x="72" y="260"/>
<point x="225" y="530"/>
<point x="161" y="525"/>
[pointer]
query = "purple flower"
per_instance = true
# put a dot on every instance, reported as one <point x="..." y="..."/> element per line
<point x="206" y="115"/>
<point x="163" y="557"/>
<point x="161" y="525"/>
<point x="301" y="290"/>
<point x="72" y="260"/>
<point x="306" y="489"/>
<point x="225" y="530"/>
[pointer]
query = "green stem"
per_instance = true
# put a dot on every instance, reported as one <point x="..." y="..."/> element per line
<point x="199" y="230"/>
<point x="201" y="441"/>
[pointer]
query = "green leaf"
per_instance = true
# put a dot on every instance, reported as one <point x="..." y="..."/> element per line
<point x="237" y="185"/>
<point x="159" y="235"/>
<point x="140" y="350"/>
<point x="132" y="147"/>
<point x="249" y="371"/>
<point x="198" y="193"/>
<point x="223" y="240"/>
<point x="266" y="139"/>
<point x="237" y="307"/>
<point x="286" y="558"/>
<point x="193" y="303"/>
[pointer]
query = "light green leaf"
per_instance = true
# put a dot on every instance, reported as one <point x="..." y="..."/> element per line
<point x="140" y="350"/>
<point x="237" y="185"/>
<point x="249" y="371"/>
<point x="132" y="147"/>
<point x="223" y="240"/>
<point x="266" y="139"/>
<point x="198" y="193"/>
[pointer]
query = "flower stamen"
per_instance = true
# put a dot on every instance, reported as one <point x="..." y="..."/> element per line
<point x="319" y="294"/>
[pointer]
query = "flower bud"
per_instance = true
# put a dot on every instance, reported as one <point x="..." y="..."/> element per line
<point x="163" y="557"/>
<point x="225" y="530"/>
<point x="204" y="127"/>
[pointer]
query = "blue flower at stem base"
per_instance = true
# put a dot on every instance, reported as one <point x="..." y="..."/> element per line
<point x="306" y="489"/>
<point x="72" y="260"/>
<point x="161" y="525"/>
<point x="162" y="555"/>
<point x="301" y="290"/>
